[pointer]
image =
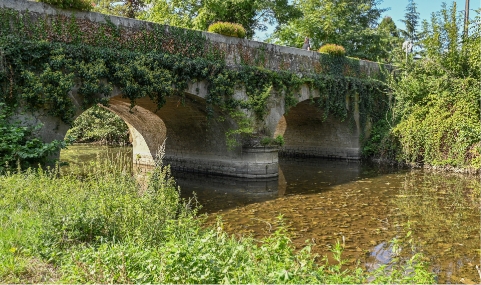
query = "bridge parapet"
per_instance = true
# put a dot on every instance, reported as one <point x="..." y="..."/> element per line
<point x="91" y="27"/>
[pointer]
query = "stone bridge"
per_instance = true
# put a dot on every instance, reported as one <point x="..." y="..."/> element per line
<point x="196" y="141"/>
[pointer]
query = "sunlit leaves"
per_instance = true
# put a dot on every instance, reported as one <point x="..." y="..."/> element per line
<point x="347" y="23"/>
<point x="253" y="15"/>
<point x="437" y="97"/>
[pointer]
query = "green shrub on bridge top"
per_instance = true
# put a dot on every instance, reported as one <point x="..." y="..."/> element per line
<point x="228" y="29"/>
<point x="82" y="5"/>
<point x="333" y="49"/>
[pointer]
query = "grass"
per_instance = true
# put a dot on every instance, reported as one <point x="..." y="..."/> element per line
<point x="98" y="225"/>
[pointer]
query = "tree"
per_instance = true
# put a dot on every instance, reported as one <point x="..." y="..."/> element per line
<point x="99" y="125"/>
<point x="387" y="26"/>
<point x="389" y="39"/>
<point x="253" y="15"/>
<point x="126" y="8"/>
<point x="411" y="20"/>
<point x="350" y="23"/>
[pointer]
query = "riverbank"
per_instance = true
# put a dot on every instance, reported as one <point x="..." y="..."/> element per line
<point x="103" y="229"/>
<point x="469" y="170"/>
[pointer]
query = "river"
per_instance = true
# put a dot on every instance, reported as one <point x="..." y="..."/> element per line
<point x="366" y="208"/>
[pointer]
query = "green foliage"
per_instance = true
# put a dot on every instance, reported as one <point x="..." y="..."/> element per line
<point x="101" y="227"/>
<point x="381" y="144"/>
<point x="99" y="125"/>
<point x="82" y="5"/>
<point x="127" y="8"/>
<point x="227" y="29"/>
<point x="243" y="132"/>
<point x="43" y="76"/>
<point x="251" y="14"/>
<point x="333" y="49"/>
<point x="267" y="141"/>
<point x="19" y="145"/>
<point x="390" y="39"/>
<point x="411" y="22"/>
<point x="437" y="98"/>
<point x="388" y="26"/>
<point x="350" y="23"/>
<point x="279" y="140"/>
<point x="44" y="60"/>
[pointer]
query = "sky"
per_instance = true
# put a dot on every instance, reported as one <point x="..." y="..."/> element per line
<point x="398" y="9"/>
<point x="424" y="7"/>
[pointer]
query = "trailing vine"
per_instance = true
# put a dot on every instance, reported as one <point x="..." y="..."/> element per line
<point x="44" y="58"/>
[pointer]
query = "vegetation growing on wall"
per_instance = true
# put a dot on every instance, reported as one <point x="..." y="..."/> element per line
<point x="44" y="60"/>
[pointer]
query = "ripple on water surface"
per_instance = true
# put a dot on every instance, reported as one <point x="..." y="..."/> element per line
<point x="328" y="201"/>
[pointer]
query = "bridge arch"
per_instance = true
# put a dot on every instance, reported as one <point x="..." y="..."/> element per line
<point x="182" y="122"/>
<point x="140" y="122"/>
<point x="308" y="132"/>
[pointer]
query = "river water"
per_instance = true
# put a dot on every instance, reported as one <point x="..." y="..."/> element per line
<point x="366" y="208"/>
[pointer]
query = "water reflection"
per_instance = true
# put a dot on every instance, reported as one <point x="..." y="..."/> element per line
<point x="216" y="193"/>
<point x="444" y="214"/>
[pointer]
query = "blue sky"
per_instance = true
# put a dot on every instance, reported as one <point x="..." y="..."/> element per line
<point x="424" y="7"/>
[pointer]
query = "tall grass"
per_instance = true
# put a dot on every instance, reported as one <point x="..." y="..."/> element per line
<point x="98" y="225"/>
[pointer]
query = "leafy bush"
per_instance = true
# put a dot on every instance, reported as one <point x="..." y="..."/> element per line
<point x="227" y="29"/>
<point x="18" y="143"/>
<point x="333" y="49"/>
<point x="437" y="103"/>
<point x="278" y="141"/>
<point x="82" y="5"/>
<point x="381" y="144"/>
<point x="99" y="125"/>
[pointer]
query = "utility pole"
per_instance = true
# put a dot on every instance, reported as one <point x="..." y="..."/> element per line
<point x="466" y="19"/>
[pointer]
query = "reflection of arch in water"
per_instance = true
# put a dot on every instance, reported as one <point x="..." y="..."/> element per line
<point x="223" y="192"/>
